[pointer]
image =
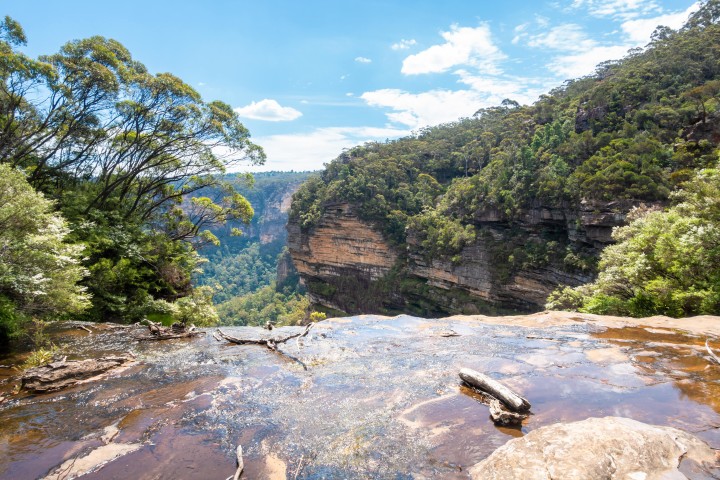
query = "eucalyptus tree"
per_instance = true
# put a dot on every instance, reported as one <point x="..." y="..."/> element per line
<point x="122" y="151"/>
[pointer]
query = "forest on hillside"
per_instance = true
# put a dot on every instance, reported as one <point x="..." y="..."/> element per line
<point x="105" y="170"/>
<point x="642" y="131"/>
<point x="242" y="269"/>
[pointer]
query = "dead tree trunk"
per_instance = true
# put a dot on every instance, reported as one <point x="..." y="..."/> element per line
<point x="269" y="338"/>
<point x="481" y="381"/>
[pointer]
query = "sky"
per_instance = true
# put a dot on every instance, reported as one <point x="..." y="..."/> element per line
<point x="311" y="78"/>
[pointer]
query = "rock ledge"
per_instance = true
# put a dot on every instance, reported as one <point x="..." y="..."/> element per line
<point x="603" y="448"/>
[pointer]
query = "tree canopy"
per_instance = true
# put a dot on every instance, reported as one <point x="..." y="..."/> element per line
<point x="664" y="262"/>
<point x="120" y="150"/>
<point x="633" y="132"/>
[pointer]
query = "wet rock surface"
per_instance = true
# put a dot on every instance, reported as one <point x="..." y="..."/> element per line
<point x="64" y="374"/>
<point x="381" y="397"/>
<point x="608" y="448"/>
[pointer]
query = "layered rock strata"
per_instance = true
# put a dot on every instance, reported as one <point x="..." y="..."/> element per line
<point x="344" y="258"/>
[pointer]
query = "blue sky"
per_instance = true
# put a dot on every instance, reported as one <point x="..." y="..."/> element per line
<point x="310" y="78"/>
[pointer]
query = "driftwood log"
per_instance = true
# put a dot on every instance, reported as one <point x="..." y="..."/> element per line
<point x="506" y="407"/>
<point x="269" y="338"/>
<point x="259" y="336"/>
<point x="177" y="330"/>
<point x="240" y="464"/>
<point x="63" y="374"/>
<point x="712" y="354"/>
<point x="478" y="380"/>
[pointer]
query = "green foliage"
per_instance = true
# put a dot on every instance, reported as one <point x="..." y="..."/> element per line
<point x="439" y="235"/>
<point x="12" y="321"/>
<point x="665" y="262"/>
<point x="626" y="168"/>
<point x="39" y="357"/>
<point x="241" y="273"/>
<point x="265" y="305"/>
<point x="197" y="308"/>
<point x="246" y="263"/>
<point x="129" y="158"/>
<point x="38" y="270"/>
<point x="317" y="316"/>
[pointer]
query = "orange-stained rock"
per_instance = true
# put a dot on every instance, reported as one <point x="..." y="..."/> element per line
<point x="341" y="240"/>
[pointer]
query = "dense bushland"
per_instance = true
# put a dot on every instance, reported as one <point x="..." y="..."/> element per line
<point x="104" y="156"/>
<point x="636" y="130"/>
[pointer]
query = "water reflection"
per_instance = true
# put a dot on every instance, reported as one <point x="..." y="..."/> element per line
<point x="380" y="399"/>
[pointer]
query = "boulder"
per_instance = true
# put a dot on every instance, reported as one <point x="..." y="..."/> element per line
<point x="600" y="448"/>
<point x="63" y="374"/>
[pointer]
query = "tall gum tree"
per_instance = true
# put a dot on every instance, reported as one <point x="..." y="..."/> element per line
<point x="122" y="151"/>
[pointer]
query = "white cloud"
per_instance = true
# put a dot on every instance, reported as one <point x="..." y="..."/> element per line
<point x="433" y="107"/>
<point x="464" y="46"/>
<point x="362" y="60"/>
<point x="426" y="108"/>
<point x="309" y="151"/>
<point x="472" y="56"/>
<point x="584" y="52"/>
<point x="268" y="110"/>
<point x="493" y="90"/>
<point x="520" y="32"/>
<point x="403" y="44"/>
<point x="567" y="37"/>
<point x="618" y="9"/>
<point x="638" y="31"/>
<point x="580" y="64"/>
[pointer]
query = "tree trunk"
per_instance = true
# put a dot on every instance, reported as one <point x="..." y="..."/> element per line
<point x="481" y="381"/>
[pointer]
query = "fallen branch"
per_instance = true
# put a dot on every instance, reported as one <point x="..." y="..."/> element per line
<point x="715" y="357"/>
<point x="177" y="330"/>
<point x="481" y="381"/>
<point x="268" y="338"/>
<point x="83" y="327"/>
<point x="240" y="463"/>
<point x="116" y="326"/>
<point x="449" y="333"/>
<point x="297" y="470"/>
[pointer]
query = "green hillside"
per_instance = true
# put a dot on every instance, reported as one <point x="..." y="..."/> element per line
<point x="632" y="133"/>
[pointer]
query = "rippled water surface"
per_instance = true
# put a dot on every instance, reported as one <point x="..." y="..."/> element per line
<point x="376" y="398"/>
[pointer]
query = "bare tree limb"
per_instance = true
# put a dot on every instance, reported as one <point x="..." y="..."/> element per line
<point x="714" y="357"/>
<point x="481" y="381"/>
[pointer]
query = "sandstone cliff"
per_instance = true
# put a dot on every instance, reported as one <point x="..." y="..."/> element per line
<point x="348" y="265"/>
<point x="343" y="261"/>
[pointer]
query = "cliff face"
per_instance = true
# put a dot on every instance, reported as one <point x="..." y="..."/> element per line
<point x="346" y="263"/>
<point x="342" y="261"/>
<point x="272" y="223"/>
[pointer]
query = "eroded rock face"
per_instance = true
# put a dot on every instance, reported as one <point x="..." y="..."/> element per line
<point x="344" y="254"/>
<point x="272" y="224"/>
<point x="599" y="448"/>
<point x="503" y="271"/>
<point x="342" y="240"/>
